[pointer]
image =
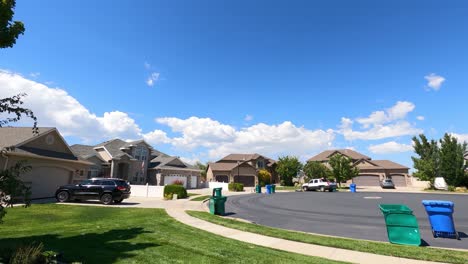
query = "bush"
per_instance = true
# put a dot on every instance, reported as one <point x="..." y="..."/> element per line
<point x="175" y="189"/>
<point x="178" y="182"/>
<point x="451" y="188"/>
<point x="264" y="177"/>
<point x="28" y="254"/>
<point x="236" y="187"/>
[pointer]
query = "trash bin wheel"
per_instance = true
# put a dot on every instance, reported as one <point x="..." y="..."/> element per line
<point x="434" y="234"/>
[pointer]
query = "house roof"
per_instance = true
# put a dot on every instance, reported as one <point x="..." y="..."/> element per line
<point x="163" y="162"/>
<point x="388" y="164"/>
<point x="13" y="136"/>
<point x="246" y="157"/>
<point x="222" y="166"/>
<point x="324" y="156"/>
<point x="83" y="151"/>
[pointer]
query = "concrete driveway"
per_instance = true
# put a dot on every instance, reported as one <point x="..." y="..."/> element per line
<point x="354" y="215"/>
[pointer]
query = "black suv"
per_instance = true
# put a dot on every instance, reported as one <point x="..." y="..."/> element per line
<point x="107" y="190"/>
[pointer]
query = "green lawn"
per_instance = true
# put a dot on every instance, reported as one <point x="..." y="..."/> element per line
<point x="287" y="188"/>
<point x="92" y="234"/>
<point x="192" y="194"/>
<point x="420" y="253"/>
<point x="200" y="198"/>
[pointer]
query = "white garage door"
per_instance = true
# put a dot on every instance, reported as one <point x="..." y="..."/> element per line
<point x="399" y="180"/>
<point x="367" y="180"/>
<point x="193" y="182"/>
<point x="170" y="179"/>
<point x="44" y="181"/>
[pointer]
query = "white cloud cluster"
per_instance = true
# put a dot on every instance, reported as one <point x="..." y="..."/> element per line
<point x="420" y="118"/>
<point x="56" y="108"/>
<point x="434" y="81"/>
<point x="381" y="124"/>
<point x="390" y="147"/>
<point x="460" y="137"/>
<point x="153" y="78"/>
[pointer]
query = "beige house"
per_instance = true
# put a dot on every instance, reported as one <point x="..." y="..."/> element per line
<point x="53" y="162"/>
<point x="242" y="168"/>
<point x="136" y="161"/>
<point x="371" y="172"/>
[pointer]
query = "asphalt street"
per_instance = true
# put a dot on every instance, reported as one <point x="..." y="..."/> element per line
<point x="354" y="215"/>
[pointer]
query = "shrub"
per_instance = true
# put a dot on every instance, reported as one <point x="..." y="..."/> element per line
<point x="451" y="188"/>
<point x="264" y="177"/>
<point x="178" y="182"/>
<point x="236" y="187"/>
<point x="175" y="189"/>
<point x="28" y="254"/>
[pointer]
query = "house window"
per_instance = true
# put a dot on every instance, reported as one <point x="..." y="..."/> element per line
<point x="140" y="153"/>
<point x="260" y="164"/>
<point x="93" y="173"/>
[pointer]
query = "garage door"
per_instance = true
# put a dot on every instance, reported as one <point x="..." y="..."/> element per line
<point x="44" y="181"/>
<point x="193" y="182"/>
<point x="367" y="180"/>
<point x="248" y="181"/>
<point x="399" y="180"/>
<point x="170" y="179"/>
<point x="222" y="178"/>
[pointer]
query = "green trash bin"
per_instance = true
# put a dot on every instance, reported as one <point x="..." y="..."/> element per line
<point x="219" y="205"/>
<point x="217" y="192"/>
<point x="273" y="188"/>
<point x="212" y="205"/>
<point x="402" y="226"/>
<point x="258" y="189"/>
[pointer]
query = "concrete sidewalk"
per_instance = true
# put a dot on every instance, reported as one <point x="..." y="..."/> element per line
<point x="178" y="212"/>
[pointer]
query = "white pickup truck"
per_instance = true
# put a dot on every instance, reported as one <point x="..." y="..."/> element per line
<point x="319" y="184"/>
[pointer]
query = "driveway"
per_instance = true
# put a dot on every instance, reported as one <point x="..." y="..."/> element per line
<point x="354" y="215"/>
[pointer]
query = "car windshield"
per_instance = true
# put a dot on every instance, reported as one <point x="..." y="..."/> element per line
<point x="388" y="181"/>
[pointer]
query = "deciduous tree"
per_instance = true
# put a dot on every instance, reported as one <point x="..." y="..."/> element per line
<point x="452" y="162"/>
<point x="288" y="167"/>
<point x="9" y="29"/>
<point x="315" y="169"/>
<point x="427" y="162"/>
<point x="342" y="168"/>
<point x="264" y="177"/>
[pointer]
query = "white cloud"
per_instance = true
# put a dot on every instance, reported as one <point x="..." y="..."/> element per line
<point x="156" y="137"/>
<point x="34" y="74"/>
<point x="191" y="161"/>
<point x="248" y="118"/>
<point x="460" y="137"/>
<point x="381" y="124"/>
<point x="56" y="108"/>
<point x="221" y="139"/>
<point x="434" y="81"/>
<point x="420" y="118"/>
<point x="390" y="147"/>
<point x="153" y="78"/>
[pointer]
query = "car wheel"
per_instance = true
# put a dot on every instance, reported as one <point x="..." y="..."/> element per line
<point x="63" y="196"/>
<point x="305" y="189"/>
<point x="322" y="189"/>
<point x="118" y="201"/>
<point x="106" y="198"/>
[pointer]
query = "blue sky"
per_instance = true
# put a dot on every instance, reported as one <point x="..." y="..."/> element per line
<point x="200" y="79"/>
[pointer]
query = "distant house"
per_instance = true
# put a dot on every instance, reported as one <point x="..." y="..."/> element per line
<point x="53" y="162"/>
<point x="136" y="161"/>
<point x="241" y="168"/>
<point x="371" y="172"/>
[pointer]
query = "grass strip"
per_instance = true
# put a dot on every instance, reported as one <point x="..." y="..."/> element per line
<point x="381" y="248"/>
<point x="200" y="198"/>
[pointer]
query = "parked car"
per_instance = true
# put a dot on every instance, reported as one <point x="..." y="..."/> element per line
<point x="387" y="183"/>
<point x="319" y="184"/>
<point x="107" y="190"/>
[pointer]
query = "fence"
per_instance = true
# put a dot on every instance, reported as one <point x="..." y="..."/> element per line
<point x="223" y="185"/>
<point x="147" y="191"/>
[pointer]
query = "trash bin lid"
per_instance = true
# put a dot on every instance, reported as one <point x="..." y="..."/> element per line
<point x="437" y="203"/>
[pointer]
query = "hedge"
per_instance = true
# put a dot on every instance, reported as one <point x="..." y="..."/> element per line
<point x="181" y="192"/>
<point x="236" y="187"/>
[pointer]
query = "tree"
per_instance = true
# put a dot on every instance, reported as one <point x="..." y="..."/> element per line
<point x="342" y="168"/>
<point x="427" y="164"/>
<point x="264" y="177"/>
<point x="202" y="167"/>
<point x="11" y="187"/>
<point x="452" y="162"/>
<point x="315" y="169"/>
<point x="9" y="29"/>
<point x="12" y="106"/>
<point x="288" y="167"/>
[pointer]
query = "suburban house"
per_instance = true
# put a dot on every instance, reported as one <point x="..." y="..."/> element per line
<point x="241" y="168"/>
<point x="371" y="172"/>
<point x="137" y="162"/>
<point x="52" y="161"/>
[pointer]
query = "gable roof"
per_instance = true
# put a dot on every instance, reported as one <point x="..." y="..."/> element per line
<point x="388" y="164"/>
<point x="15" y="136"/>
<point x="325" y="155"/>
<point x="164" y="162"/>
<point x="245" y="157"/>
<point x="222" y="166"/>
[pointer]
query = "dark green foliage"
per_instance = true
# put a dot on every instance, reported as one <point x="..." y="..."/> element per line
<point x="235" y="187"/>
<point x="9" y="29"/>
<point x="12" y="105"/>
<point x="175" y="189"/>
<point x="342" y="168"/>
<point x="288" y="167"/>
<point x="445" y="161"/>
<point x="315" y="169"/>
<point x="12" y="188"/>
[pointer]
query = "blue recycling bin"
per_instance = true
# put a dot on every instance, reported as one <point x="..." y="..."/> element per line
<point x="352" y="187"/>
<point x="440" y="215"/>
<point x="268" y="189"/>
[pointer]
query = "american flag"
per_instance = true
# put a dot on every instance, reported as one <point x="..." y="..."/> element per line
<point x="143" y="166"/>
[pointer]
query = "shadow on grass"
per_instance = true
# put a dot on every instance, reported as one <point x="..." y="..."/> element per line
<point x="107" y="247"/>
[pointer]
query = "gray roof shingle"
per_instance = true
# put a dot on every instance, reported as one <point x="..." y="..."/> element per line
<point x="325" y="155"/>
